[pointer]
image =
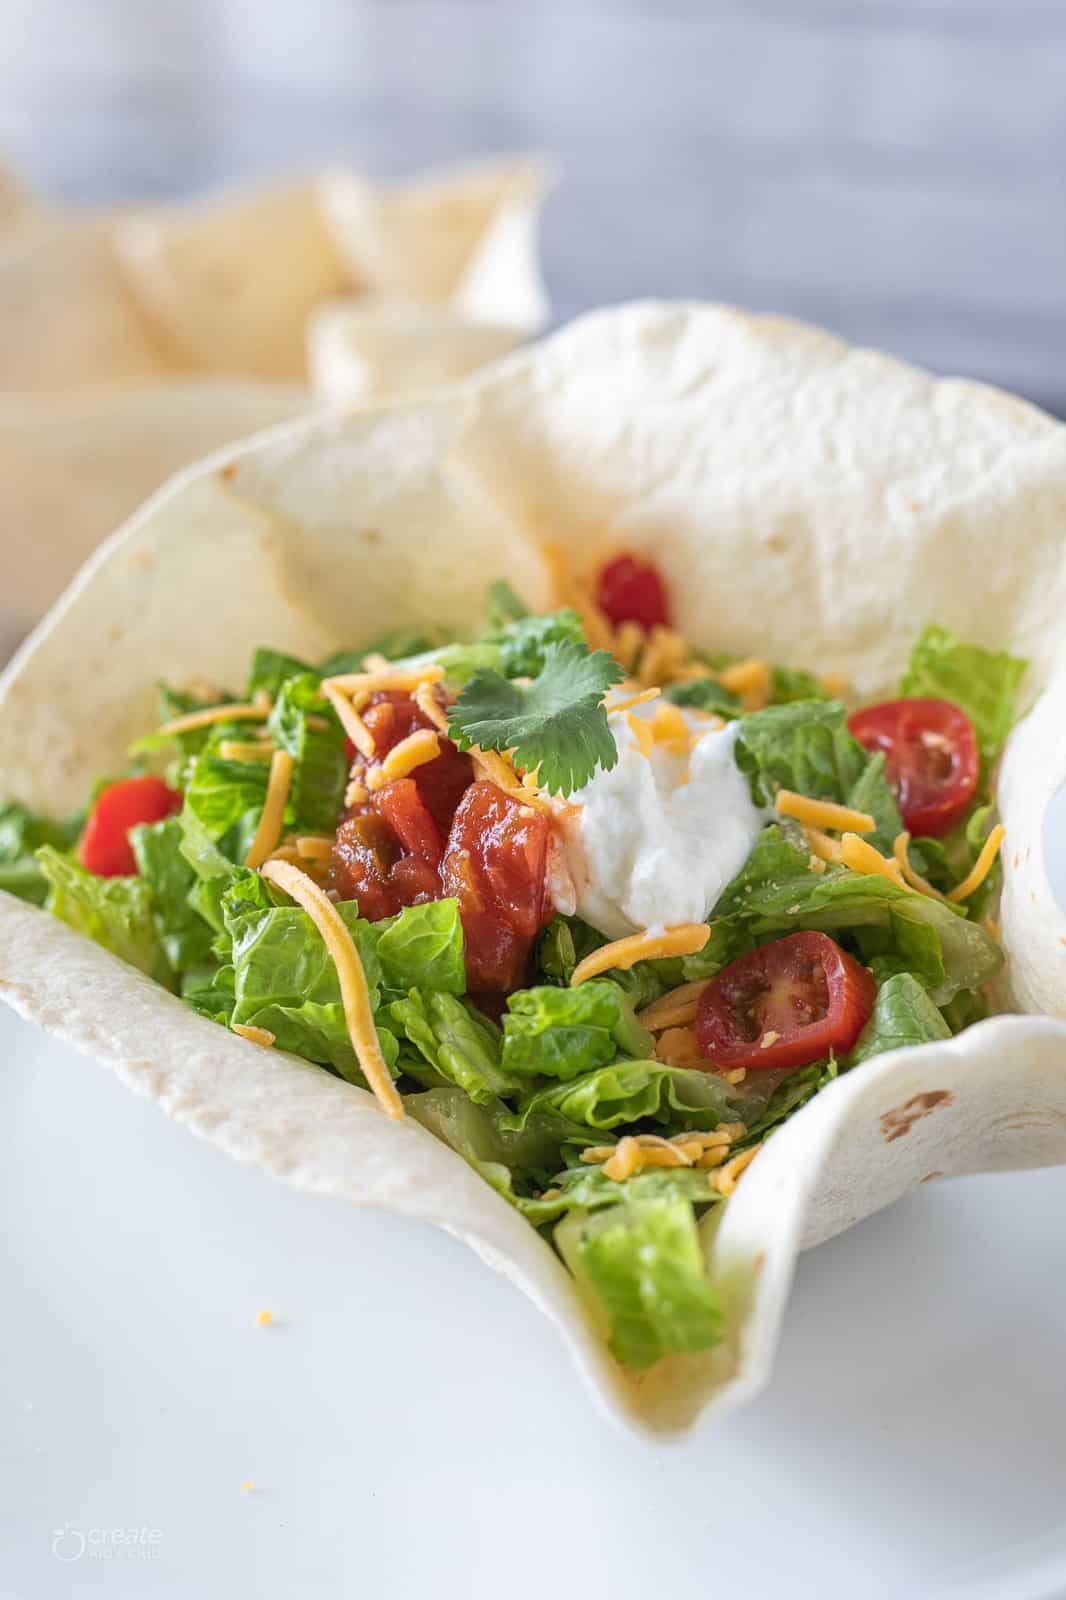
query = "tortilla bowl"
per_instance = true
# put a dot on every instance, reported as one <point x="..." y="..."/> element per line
<point x="793" y="491"/>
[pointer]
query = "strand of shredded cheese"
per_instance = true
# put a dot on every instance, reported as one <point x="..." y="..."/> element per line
<point x="913" y="878"/>
<point x="246" y="749"/>
<point x="253" y="1034"/>
<point x="643" y="733"/>
<point x="634" y="1152"/>
<point x="419" y="747"/>
<point x="686" y="939"/>
<point x="726" y="1178"/>
<point x="677" y="1046"/>
<point x="272" y="817"/>
<point x="402" y="678"/>
<point x="674" y="1008"/>
<point x="981" y="867"/>
<point x="822" y="846"/>
<point x="823" y="813"/>
<point x="752" y="680"/>
<point x="671" y="729"/>
<point x="350" y="720"/>
<point x="314" y="848"/>
<point x="613" y="707"/>
<point x="861" y="856"/>
<point x="430" y="707"/>
<point x="257" y="711"/>
<point x="354" y="995"/>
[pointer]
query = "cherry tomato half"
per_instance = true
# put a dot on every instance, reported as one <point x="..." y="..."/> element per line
<point x="785" y="1004"/>
<point x="931" y="759"/>
<point x="631" y="590"/>
<point x="104" y="847"/>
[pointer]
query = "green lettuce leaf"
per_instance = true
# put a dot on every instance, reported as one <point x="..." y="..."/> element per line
<point x="806" y="746"/>
<point x="397" y="645"/>
<point x="285" y="980"/>
<point x="903" y="1015"/>
<point x="478" y="1132"/>
<point x="184" y="934"/>
<point x="982" y="682"/>
<point x="452" y="1043"/>
<point x="642" y="1266"/>
<point x="270" y="669"/>
<point x="677" y="1098"/>
<point x="223" y="803"/>
<point x="560" y="1033"/>
<point x="22" y="833"/>
<point x="422" y="947"/>
<point x="320" y="766"/>
<point x="502" y="606"/>
<point x="114" y="912"/>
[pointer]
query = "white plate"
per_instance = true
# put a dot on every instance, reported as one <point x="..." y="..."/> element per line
<point x="412" y="1427"/>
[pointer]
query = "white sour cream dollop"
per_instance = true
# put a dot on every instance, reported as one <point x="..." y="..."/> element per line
<point x="645" y="849"/>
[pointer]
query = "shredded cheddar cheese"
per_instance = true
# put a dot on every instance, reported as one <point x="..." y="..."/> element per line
<point x="677" y="1046"/>
<point x="834" y="684"/>
<point x="913" y="878"/>
<point x="254" y="1035"/>
<point x="752" y="680"/>
<point x="350" y="720"/>
<point x="861" y="856"/>
<point x="246" y="750"/>
<point x="430" y="707"/>
<point x="354" y="995"/>
<point x="361" y="685"/>
<point x="823" y="813"/>
<point x="628" y="642"/>
<point x="265" y="1318"/>
<point x="671" y="729"/>
<point x="686" y="939"/>
<point x="674" y="1009"/>
<point x="726" y="1178"/>
<point x="493" y="767"/>
<point x="823" y="848"/>
<point x="614" y="707"/>
<point x="981" y="867"/>
<point x="312" y="847"/>
<point x="419" y="747"/>
<point x="356" y="794"/>
<point x="634" y="1152"/>
<point x="642" y="732"/>
<point x="268" y="832"/>
<point x="255" y="711"/>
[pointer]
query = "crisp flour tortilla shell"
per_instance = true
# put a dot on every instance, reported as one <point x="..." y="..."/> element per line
<point x="798" y="494"/>
<point x="72" y="467"/>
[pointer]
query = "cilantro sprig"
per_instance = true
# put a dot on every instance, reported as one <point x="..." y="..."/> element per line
<point x="556" y="723"/>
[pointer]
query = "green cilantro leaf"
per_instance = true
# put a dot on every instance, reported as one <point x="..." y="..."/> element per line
<point x="556" y="723"/>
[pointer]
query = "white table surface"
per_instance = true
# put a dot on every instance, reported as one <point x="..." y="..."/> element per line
<point x="412" y="1427"/>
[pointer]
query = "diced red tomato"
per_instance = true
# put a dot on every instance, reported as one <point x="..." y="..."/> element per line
<point x="785" y="1004"/>
<point x="629" y="589"/>
<point x="365" y="850"/>
<point x="931" y="759"/>
<point x="495" y="865"/>
<point x="104" y="847"/>
<point x="403" y="808"/>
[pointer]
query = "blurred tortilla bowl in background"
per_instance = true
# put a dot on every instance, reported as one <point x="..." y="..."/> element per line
<point x="134" y="339"/>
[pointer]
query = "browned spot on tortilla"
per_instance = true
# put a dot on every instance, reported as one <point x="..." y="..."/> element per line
<point x="228" y="471"/>
<point x="931" y="1177"/>
<point x="144" y="559"/>
<point x="371" y="536"/>
<point x="776" y="542"/>
<point x="916" y="505"/>
<point x="894" y="1124"/>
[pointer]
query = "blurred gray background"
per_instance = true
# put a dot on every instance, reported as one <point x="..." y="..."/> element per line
<point x="895" y="169"/>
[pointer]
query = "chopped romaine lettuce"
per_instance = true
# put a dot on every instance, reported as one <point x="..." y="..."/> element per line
<point x="903" y="1015"/>
<point x="630" y="1091"/>
<point x="271" y="668"/>
<point x="22" y="833"/>
<point x="185" y="935"/>
<point x="806" y="746"/>
<point x="422" y="947"/>
<point x="983" y="683"/>
<point x="642" y="1264"/>
<point x="305" y="724"/>
<point x="452" y="1043"/>
<point x="114" y="912"/>
<point x="560" y="1033"/>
